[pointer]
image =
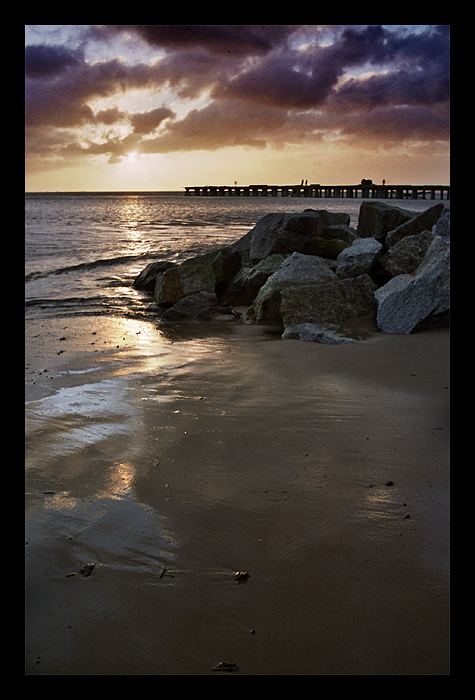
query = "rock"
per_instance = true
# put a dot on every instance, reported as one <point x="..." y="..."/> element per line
<point x="376" y="219"/>
<point x="442" y="227"/>
<point x="359" y="258"/>
<point x="326" y="248"/>
<point x="328" y="302"/>
<point x="145" y="280"/>
<point x="168" y="289"/>
<point x="246" y="284"/>
<point x="341" y="232"/>
<point x="407" y="301"/>
<point x="282" y="233"/>
<point x="421" y="222"/>
<point x="329" y="218"/>
<point x="225" y="263"/>
<point x="296" y="270"/>
<point x="243" y="247"/>
<point x="194" y="307"/>
<point x="225" y="666"/>
<point x="211" y="272"/>
<point x="406" y="256"/>
<point x="178" y="282"/>
<point x="317" y="333"/>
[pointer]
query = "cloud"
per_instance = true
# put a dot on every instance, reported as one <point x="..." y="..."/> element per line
<point x="146" y="122"/>
<point x="306" y="78"/>
<point x="231" y="39"/>
<point x="214" y="86"/>
<point x="50" y="61"/>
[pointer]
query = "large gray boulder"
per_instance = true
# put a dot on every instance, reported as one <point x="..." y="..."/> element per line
<point x="421" y="222"/>
<point x="296" y="270"/>
<point x="359" y="259"/>
<point x="377" y="218"/>
<point x="282" y="233"/>
<point x="406" y="256"/>
<point x="407" y="301"/>
<point x="442" y="227"/>
<point x="328" y="302"/>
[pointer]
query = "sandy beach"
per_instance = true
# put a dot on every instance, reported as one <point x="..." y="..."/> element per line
<point x="321" y="471"/>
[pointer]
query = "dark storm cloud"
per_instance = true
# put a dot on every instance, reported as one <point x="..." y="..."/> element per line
<point x="264" y="84"/>
<point x="225" y="38"/>
<point x="302" y="79"/>
<point x="50" y="61"/>
<point x="60" y="97"/>
<point x="146" y="122"/>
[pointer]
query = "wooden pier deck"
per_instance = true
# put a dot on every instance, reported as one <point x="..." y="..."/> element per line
<point x="362" y="191"/>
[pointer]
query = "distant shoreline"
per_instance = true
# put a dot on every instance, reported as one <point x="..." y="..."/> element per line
<point x="113" y="193"/>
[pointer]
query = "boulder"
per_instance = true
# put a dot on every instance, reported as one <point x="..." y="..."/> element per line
<point x="178" y="282"/>
<point x="317" y="333"/>
<point x="359" y="258"/>
<point x="225" y="263"/>
<point x="168" y="288"/>
<point x="246" y="284"/>
<point x="407" y="301"/>
<point x="282" y="233"/>
<point x="406" y="256"/>
<point x="145" y="280"/>
<point x="243" y="247"/>
<point x="295" y="271"/>
<point x="326" y="248"/>
<point x="211" y="272"/>
<point x="442" y="227"/>
<point x="341" y="232"/>
<point x="376" y="219"/>
<point x="194" y="307"/>
<point x="328" y="302"/>
<point x="421" y="222"/>
<point x="329" y="218"/>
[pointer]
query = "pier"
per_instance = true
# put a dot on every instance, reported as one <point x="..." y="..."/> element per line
<point x="365" y="190"/>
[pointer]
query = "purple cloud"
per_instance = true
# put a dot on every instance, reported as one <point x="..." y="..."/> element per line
<point x="226" y="38"/>
<point x="259" y="85"/>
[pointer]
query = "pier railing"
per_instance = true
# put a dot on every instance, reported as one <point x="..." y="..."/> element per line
<point x="316" y="190"/>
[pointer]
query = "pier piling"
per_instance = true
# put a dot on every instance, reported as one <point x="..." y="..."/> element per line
<point x="363" y="191"/>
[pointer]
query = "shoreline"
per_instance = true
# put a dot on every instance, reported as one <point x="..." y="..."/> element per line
<point x="247" y="453"/>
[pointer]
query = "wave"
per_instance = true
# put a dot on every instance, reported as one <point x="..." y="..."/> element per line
<point x="101" y="262"/>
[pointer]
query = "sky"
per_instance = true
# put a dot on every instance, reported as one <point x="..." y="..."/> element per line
<point x="158" y="107"/>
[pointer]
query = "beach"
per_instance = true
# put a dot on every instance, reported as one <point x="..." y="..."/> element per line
<point x="321" y="471"/>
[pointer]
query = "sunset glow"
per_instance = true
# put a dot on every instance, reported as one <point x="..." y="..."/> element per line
<point x="159" y="107"/>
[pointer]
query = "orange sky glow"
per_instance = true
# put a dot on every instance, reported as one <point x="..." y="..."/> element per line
<point x="159" y="107"/>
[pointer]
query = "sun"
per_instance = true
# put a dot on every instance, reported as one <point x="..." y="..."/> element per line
<point x="132" y="156"/>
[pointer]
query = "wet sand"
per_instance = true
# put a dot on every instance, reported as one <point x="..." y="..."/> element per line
<point x="322" y="471"/>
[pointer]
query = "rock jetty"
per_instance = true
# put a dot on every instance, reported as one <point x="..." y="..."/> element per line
<point x="309" y="273"/>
